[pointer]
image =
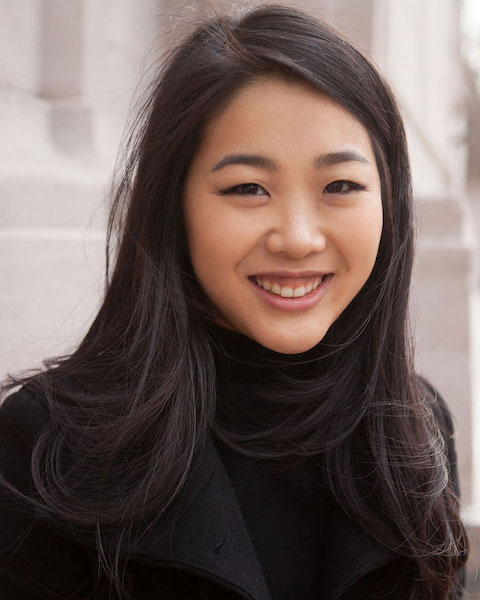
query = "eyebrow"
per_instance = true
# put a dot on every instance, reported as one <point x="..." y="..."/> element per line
<point x="264" y="162"/>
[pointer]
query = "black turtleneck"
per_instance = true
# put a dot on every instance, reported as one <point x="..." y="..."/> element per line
<point x="284" y="508"/>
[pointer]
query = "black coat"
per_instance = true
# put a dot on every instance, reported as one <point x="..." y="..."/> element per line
<point x="201" y="549"/>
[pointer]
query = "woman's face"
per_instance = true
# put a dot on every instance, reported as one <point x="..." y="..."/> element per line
<point x="283" y="213"/>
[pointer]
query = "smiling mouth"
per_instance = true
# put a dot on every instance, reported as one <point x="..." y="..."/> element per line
<point x="291" y="289"/>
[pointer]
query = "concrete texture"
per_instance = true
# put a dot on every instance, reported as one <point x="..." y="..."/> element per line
<point x="50" y="291"/>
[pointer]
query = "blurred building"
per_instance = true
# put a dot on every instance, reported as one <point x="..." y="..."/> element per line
<point x="68" y="71"/>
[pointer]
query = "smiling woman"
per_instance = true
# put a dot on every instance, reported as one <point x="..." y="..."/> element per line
<point x="243" y="419"/>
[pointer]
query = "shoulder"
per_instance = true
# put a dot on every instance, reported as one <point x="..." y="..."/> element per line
<point x="26" y="412"/>
<point x="22" y="417"/>
<point x="23" y="412"/>
<point x="437" y="404"/>
<point x="445" y="426"/>
<point x="30" y="549"/>
<point x="30" y="411"/>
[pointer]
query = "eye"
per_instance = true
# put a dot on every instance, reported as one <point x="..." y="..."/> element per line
<point x="245" y="189"/>
<point x="343" y="187"/>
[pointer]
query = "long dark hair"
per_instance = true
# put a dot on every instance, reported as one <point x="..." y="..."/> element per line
<point x="144" y="396"/>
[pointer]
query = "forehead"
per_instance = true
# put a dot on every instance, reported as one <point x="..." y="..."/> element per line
<point x="269" y="111"/>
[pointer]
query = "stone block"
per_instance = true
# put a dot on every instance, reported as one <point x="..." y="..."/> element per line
<point x="50" y="291"/>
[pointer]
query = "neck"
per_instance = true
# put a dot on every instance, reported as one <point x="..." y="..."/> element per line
<point x="237" y="355"/>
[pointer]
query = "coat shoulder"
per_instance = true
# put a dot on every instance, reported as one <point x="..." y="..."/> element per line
<point x="446" y="426"/>
<point x="439" y="406"/>
<point x="30" y="550"/>
<point x="22" y="418"/>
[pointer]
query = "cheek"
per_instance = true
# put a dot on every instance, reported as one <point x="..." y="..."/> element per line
<point x="361" y="239"/>
<point x="202" y="233"/>
<point x="217" y="244"/>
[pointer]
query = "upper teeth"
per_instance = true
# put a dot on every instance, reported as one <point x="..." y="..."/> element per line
<point x="288" y="292"/>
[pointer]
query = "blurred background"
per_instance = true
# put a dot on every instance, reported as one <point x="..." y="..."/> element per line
<point x="68" y="74"/>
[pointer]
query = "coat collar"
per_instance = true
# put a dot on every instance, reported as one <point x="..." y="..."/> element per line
<point x="205" y="531"/>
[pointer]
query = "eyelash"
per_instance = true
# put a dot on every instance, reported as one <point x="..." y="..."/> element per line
<point x="354" y="187"/>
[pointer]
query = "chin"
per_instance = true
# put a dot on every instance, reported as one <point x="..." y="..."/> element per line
<point x="290" y="345"/>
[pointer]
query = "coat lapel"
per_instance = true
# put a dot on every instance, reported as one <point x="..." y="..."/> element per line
<point x="350" y="555"/>
<point x="205" y="531"/>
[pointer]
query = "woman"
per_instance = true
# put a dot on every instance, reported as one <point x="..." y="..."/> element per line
<point x="243" y="419"/>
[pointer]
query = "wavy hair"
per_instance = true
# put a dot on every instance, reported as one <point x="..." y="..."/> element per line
<point x="145" y="373"/>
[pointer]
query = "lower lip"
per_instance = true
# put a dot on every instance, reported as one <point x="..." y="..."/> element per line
<point x="291" y="304"/>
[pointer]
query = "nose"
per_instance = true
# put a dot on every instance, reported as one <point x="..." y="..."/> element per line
<point x="298" y="233"/>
